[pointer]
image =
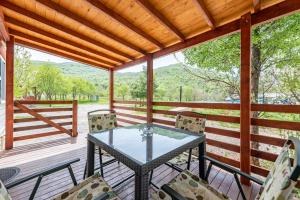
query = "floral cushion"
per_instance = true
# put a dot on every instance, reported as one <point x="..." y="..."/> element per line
<point x="100" y="122"/>
<point x="3" y="192"/>
<point x="182" y="159"/>
<point x="277" y="184"/>
<point x="191" y="187"/>
<point x="91" y="188"/>
<point x="160" y="195"/>
<point x="192" y="124"/>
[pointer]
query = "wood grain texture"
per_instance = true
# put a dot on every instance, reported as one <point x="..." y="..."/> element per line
<point x="149" y="88"/>
<point x="245" y="105"/>
<point x="205" y="13"/>
<point x="4" y="34"/>
<point x="9" y="96"/>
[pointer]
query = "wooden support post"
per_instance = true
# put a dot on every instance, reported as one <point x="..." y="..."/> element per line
<point x="149" y="88"/>
<point x="111" y="89"/>
<point x="9" y="97"/>
<point x="75" y="117"/>
<point x="245" y="105"/>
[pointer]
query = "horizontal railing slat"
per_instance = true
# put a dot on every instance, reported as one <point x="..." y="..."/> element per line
<point x="39" y="110"/>
<point x="44" y="102"/>
<point x="276" y="108"/>
<point x="130" y="102"/>
<point x="26" y="128"/>
<point x="267" y="140"/>
<point x="225" y="106"/>
<point x="295" y="126"/>
<point x="130" y="108"/>
<point x="38" y="135"/>
<point x="132" y="116"/>
<point x="22" y="120"/>
<point x="127" y="121"/>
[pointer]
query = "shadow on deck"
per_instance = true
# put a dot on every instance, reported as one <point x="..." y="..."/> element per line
<point x="61" y="181"/>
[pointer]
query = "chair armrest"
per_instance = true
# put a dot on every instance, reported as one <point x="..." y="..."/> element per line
<point x="43" y="172"/>
<point x="232" y="170"/>
<point x="175" y="195"/>
<point x="103" y="196"/>
<point x="296" y="166"/>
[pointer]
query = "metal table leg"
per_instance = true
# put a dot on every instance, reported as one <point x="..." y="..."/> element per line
<point x="202" y="163"/>
<point x="141" y="186"/>
<point x="90" y="158"/>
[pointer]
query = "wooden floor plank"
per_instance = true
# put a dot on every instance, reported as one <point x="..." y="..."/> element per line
<point x="59" y="182"/>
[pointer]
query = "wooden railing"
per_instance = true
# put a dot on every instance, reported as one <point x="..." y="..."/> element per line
<point x="61" y="117"/>
<point x="169" y="120"/>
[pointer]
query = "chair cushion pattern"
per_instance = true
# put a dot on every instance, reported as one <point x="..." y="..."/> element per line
<point x="89" y="189"/>
<point x="192" y="124"/>
<point x="160" y="195"/>
<point x="182" y="159"/>
<point x="192" y="187"/>
<point x="3" y="192"/>
<point x="100" y="122"/>
<point x="277" y="185"/>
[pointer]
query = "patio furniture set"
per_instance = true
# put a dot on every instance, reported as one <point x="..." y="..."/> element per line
<point x="144" y="147"/>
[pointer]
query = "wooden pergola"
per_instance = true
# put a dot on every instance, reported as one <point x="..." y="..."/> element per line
<point x="113" y="35"/>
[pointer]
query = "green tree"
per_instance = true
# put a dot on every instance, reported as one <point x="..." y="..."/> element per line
<point x="138" y="89"/>
<point x="48" y="79"/>
<point x="22" y="72"/>
<point x="188" y="93"/>
<point x="274" y="45"/>
<point x="122" y="90"/>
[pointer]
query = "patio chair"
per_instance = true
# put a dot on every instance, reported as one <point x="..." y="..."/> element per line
<point x="279" y="183"/>
<point x="99" y="122"/>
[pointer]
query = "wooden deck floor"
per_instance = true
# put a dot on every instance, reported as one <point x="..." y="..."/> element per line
<point x="59" y="150"/>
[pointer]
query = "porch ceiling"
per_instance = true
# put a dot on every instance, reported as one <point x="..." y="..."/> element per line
<point x="114" y="34"/>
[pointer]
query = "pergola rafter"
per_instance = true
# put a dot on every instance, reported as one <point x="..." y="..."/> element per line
<point x="162" y="19"/>
<point x="88" y="24"/>
<point x="118" y="18"/>
<point x="61" y="28"/>
<point x="205" y="13"/>
<point x="24" y="26"/>
<point x="4" y="35"/>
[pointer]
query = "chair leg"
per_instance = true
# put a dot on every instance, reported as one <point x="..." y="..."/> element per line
<point x="239" y="186"/>
<point x="150" y="178"/>
<point x="72" y="175"/>
<point x="208" y="171"/>
<point x="189" y="159"/>
<point x="38" y="182"/>
<point x="101" y="163"/>
<point x="85" y="168"/>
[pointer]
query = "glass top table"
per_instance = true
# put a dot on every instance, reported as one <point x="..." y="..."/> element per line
<point x="144" y="147"/>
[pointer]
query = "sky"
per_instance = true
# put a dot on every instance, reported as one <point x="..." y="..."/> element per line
<point x="160" y="62"/>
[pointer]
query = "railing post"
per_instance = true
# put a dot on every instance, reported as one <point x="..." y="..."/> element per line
<point x="75" y="119"/>
<point x="245" y="105"/>
<point x="9" y="96"/>
<point x="111" y="89"/>
<point x="149" y="88"/>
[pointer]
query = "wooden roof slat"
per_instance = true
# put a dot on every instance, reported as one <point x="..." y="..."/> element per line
<point x="158" y="16"/>
<point x="75" y="17"/>
<point x="61" y="28"/>
<point x="205" y="13"/>
<point x="23" y="25"/>
<point x="272" y="12"/>
<point x="118" y="18"/>
<point x="60" y="47"/>
<point x="3" y="29"/>
<point x="256" y="5"/>
<point x="57" y="53"/>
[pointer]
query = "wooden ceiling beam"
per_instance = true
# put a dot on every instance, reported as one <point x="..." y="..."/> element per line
<point x="159" y="17"/>
<point x="205" y="13"/>
<point x="4" y="35"/>
<point x="59" y="27"/>
<point x="256" y="5"/>
<point x="57" y="46"/>
<point x="25" y="26"/>
<point x="278" y="10"/>
<point x="58" y="8"/>
<point x="118" y="18"/>
<point x="57" y="53"/>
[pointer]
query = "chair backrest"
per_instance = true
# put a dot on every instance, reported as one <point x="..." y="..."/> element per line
<point x="191" y="121"/>
<point x="101" y="121"/>
<point x="283" y="177"/>
<point x="4" y="195"/>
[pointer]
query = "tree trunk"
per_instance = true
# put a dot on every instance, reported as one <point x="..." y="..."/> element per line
<point x="255" y="78"/>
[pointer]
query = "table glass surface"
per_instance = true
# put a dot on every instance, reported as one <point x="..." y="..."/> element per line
<point x="145" y="142"/>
